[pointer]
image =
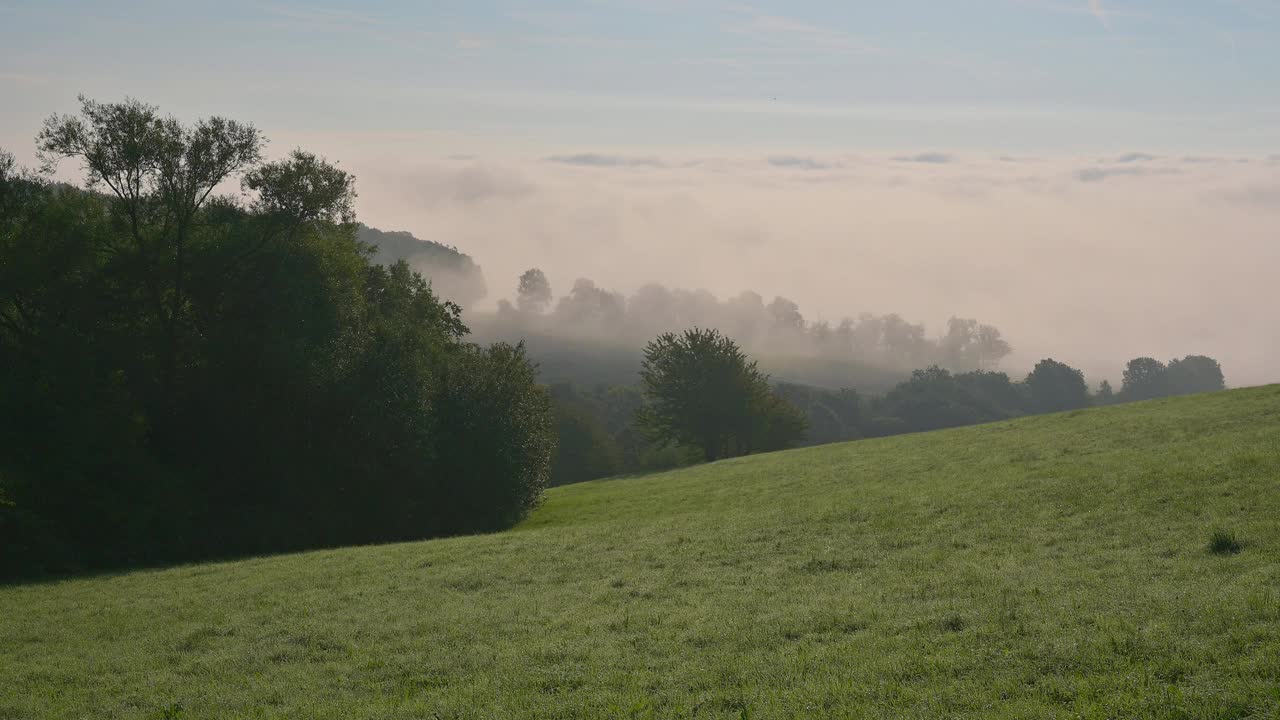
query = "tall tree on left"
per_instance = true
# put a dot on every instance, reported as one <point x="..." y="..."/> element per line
<point x="160" y="173"/>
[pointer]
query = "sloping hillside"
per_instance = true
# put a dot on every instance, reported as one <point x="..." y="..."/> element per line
<point x="453" y="274"/>
<point x="1056" y="566"/>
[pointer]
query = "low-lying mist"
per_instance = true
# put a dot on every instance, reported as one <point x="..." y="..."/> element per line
<point x="848" y="352"/>
<point x="1090" y="260"/>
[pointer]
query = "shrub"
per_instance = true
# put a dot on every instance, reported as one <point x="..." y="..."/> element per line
<point x="495" y="439"/>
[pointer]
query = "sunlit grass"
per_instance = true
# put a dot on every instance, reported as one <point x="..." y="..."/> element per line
<point x="1049" y="567"/>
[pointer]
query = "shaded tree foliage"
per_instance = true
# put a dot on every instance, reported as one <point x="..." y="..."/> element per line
<point x="188" y="376"/>
<point x="585" y="449"/>
<point x="830" y="415"/>
<point x="702" y="391"/>
<point x="1195" y="374"/>
<point x="1144" y="378"/>
<point x="1055" y="386"/>
<point x="934" y="398"/>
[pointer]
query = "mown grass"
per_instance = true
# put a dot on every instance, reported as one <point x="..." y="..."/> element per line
<point x="1052" y="567"/>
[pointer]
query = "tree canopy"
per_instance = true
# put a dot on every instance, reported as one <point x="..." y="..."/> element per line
<point x="533" y="294"/>
<point x="1145" y="378"/>
<point x="1056" y="386"/>
<point x="702" y="391"/>
<point x="192" y="375"/>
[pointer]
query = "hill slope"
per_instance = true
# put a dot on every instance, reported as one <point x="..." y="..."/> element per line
<point x="453" y="274"/>
<point x="1054" y="566"/>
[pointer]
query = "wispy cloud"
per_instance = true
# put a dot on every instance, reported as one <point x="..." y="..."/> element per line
<point x="1099" y="174"/>
<point x="932" y="158"/>
<point x="599" y="160"/>
<point x="439" y="187"/>
<point x="796" y="162"/>
<point x="1135" y="157"/>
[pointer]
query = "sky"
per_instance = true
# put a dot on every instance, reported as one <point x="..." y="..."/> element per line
<point x="1098" y="178"/>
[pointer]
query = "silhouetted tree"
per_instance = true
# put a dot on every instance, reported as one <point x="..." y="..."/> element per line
<point x="1105" y="395"/>
<point x="704" y="392"/>
<point x="1144" y="378"/>
<point x="1055" y="386"/>
<point x="533" y="294"/>
<point x="590" y="309"/>
<point x="1195" y="374"/>
<point x="786" y="315"/>
<point x="161" y="173"/>
<point x="7" y="165"/>
<point x="990" y="347"/>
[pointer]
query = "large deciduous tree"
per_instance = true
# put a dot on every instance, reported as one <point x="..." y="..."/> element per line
<point x="1144" y="378"/>
<point x="533" y="295"/>
<point x="1195" y="374"/>
<point x="1056" y="386"/>
<point x="703" y="392"/>
<point x="161" y="173"/>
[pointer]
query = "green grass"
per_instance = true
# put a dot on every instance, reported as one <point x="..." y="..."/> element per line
<point x="1052" y="567"/>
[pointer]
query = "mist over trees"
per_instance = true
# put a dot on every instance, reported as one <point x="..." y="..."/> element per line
<point x="533" y="294"/>
<point x="870" y="351"/>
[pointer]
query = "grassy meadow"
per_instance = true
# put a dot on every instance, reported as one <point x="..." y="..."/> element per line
<point x="1114" y="563"/>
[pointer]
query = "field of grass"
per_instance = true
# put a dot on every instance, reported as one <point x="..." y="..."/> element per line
<point x="1061" y="566"/>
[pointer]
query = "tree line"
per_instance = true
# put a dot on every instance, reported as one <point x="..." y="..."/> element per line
<point x="595" y="439"/>
<point x="193" y="373"/>
<point x="775" y="328"/>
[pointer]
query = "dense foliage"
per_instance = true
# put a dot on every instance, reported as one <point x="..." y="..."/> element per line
<point x="1055" y="386"/>
<point x="930" y="399"/>
<point x="703" y="392"/>
<point x="1146" y="378"/>
<point x="189" y="376"/>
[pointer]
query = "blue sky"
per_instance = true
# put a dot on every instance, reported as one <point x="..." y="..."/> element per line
<point x="1029" y="75"/>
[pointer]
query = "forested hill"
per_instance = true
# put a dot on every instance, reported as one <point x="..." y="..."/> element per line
<point x="453" y="274"/>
